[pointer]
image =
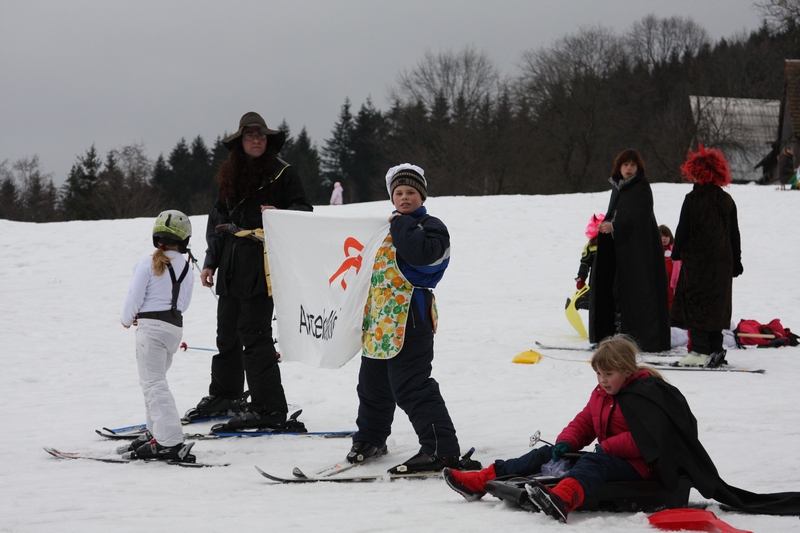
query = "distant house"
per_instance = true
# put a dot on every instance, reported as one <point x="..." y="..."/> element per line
<point x="743" y="128"/>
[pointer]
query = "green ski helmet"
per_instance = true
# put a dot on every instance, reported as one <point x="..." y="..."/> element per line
<point x="173" y="225"/>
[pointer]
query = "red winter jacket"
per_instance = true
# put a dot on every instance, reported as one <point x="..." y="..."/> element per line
<point x="601" y="419"/>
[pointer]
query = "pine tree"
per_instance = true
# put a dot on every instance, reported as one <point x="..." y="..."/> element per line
<point x="368" y="146"/>
<point x="304" y="157"/>
<point x="201" y="187"/>
<point x="337" y="154"/>
<point x="172" y="179"/>
<point x="9" y="195"/>
<point x="78" y="194"/>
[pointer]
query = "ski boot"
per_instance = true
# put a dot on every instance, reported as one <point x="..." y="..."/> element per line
<point x="361" y="451"/>
<point x="254" y="419"/>
<point x="154" y="450"/>
<point x="144" y="438"/>
<point x="212" y="406"/>
<point x="422" y="462"/>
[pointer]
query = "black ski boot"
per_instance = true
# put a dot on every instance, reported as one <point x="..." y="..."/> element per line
<point x="144" y="438"/>
<point x="153" y="450"/>
<point x="716" y="359"/>
<point x="211" y="406"/>
<point x="422" y="462"/>
<point x="255" y="419"/>
<point x="361" y="451"/>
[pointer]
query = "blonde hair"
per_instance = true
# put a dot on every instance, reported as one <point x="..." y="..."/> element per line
<point x="619" y="353"/>
<point x="160" y="259"/>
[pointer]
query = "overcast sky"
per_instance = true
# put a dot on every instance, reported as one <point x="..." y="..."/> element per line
<point x="111" y="73"/>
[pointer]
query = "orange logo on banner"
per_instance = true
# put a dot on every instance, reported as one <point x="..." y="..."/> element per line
<point x="351" y="262"/>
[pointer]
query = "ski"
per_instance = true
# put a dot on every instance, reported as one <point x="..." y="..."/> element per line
<point x="242" y="433"/>
<point x="120" y="460"/>
<point x="662" y="365"/>
<point x="131" y="432"/>
<point x="669" y="353"/>
<point x="345" y="466"/>
<point x="271" y="433"/>
<point x="351" y="479"/>
<point x="335" y="469"/>
<point x="572" y="348"/>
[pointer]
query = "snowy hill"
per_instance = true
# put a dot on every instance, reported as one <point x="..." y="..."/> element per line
<point x="69" y="368"/>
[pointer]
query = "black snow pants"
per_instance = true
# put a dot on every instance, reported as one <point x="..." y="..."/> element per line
<point x="244" y="341"/>
<point x="405" y="381"/>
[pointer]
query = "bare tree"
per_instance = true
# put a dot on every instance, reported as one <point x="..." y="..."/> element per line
<point x="37" y="197"/>
<point x="462" y="80"/>
<point x="566" y="90"/>
<point x="655" y="41"/>
<point x="125" y="190"/>
<point x="780" y="14"/>
<point x="444" y="101"/>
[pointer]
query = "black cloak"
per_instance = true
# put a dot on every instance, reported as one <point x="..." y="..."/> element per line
<point x="665" y="430"/>
<point x="629" y="275"/>
<point x="708" y="244"/>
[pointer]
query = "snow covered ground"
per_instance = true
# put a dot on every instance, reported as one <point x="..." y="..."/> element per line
<point x="69" y="368"/>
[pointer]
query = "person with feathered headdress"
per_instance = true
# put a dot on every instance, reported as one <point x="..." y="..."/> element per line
<point x="708" y="244"/>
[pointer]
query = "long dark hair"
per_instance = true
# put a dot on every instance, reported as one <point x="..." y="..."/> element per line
<point x="239" y="177"/>
<point x="628" y="155"/>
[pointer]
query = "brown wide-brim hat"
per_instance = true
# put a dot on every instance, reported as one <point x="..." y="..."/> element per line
<point x="275" y="138"/>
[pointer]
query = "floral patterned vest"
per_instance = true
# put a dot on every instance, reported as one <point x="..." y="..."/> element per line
<point x="387" y="308"/>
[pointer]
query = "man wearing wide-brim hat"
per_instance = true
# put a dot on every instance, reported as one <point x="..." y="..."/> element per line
<point x="251" y="180"/>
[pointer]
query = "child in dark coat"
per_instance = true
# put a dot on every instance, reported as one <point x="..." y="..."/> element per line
<point x="587" y="260"/>
<point x="399" y="324"/>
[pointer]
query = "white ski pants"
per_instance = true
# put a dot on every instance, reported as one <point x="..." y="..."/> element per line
<point x="156" y="342"/>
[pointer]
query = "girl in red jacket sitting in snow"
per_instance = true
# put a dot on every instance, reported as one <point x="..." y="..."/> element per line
<point x="616" y="457"/>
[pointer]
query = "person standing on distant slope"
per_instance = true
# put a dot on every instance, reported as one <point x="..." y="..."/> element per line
<point x="785" y="166"/>
<point x="156" y="303"/>
<point x="629" y="280"/>
<point x="251" y="180"/>
<point x="336" y="195"/>
<point x="399" y="325"/>
<point x="708" y="244"/>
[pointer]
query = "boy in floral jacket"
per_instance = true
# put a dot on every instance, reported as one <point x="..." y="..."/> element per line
<point x="399" y="324"/>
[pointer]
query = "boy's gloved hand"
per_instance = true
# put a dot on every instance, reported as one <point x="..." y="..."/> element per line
<point x="579" y="283"/>
<point x="560" y="449"/>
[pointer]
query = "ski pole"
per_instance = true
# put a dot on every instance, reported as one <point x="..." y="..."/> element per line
<point x="185" y="347"/>
<point x="194" y="262"/>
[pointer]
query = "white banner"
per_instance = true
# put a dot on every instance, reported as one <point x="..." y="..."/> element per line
<point x="320" y="268"/>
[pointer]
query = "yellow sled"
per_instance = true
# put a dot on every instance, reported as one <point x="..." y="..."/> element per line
<point x="572" y="313"/>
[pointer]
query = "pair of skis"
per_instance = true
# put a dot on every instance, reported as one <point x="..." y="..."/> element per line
<point x="663" y="365"/>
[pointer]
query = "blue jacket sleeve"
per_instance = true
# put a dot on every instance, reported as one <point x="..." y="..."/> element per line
<point x="420" y="242"/>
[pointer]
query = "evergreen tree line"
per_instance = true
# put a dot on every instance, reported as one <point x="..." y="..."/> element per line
<point x="553" y="127"/>
<point x="127" y="184"/>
